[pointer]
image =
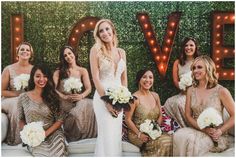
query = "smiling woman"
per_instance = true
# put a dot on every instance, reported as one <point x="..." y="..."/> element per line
<point x="108" y="67"/>
<point x="41" y="104"/>
<point x="10" y="91"/>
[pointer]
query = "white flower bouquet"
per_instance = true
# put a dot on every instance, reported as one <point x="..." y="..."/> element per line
<point x="73" y="85"/>
<point x="209" y="118"/>
<point x="151" y="128"/>
<point x="21" y="82"/>
<point x="185" y="80"/>
<point x="119" y="97"/>
<point x="33" y="134"/>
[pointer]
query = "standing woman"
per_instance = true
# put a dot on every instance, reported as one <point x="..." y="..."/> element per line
<point x="205" y="92"/>
<point x="41" y="103"/>
<point x="80" y="123"/>
<point x="175" y="105"/>
<point x="10" y="94"/>
<point x="147" y="106"/>
<point x="108" y="66"/>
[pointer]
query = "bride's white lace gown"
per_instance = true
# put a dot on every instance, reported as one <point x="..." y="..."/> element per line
<point x="109" y="128"/>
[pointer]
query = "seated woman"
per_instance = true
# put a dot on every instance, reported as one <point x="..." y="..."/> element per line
<point x="147" y="106"/>
<point x="10" y="93"/>
<point x="175" y="105"/>
<point x="81" y="122"/>
<point x="205" y="92"/>
<point x="41" y="103"/>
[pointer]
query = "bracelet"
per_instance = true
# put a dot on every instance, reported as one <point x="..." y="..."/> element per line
<point x="139" y="134"/>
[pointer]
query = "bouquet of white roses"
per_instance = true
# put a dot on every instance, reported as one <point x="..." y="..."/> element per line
<point x="33" y="134"/>
<point x="185" y="80"/>
<point x="73" y="85"/>
<point x="21" y="82"/>
<point x="209" y="118"/>
<point x="151" y="128"/>
<point x="119" y="97"/>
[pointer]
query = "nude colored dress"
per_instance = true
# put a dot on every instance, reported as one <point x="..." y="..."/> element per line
<point x="191" y="142"/>
<point x="80" y="122"/>
<point x="9" y="107"/>
<point x="175" y="105"/>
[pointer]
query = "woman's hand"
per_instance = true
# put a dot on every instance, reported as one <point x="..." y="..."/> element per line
<point x="112" y="110"/>
<point x="143" y="137"/>
<point x="216" y="134"/>
<point x="209" y="131"/>
<point x="75" y="97"/>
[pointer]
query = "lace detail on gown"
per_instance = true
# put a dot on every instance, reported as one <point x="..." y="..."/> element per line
<point x="109" y="128"/>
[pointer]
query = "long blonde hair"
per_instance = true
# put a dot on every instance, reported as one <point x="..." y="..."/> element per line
<point x="211" y="75"/>
<point x="100" y="45"/>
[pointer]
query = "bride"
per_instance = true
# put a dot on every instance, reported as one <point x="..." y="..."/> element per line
<point x="108" y="67"/>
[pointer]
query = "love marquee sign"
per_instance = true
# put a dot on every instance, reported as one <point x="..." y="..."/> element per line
<point x="160" y="53"/>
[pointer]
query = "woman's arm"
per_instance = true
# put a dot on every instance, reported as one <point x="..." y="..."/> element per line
<point x="228" y="103"/>
<point x="124" y="80"/>
<point x="130" y="123"/>
<point x="55" y="80"/>
<point x="95" y="71"/>
<point x="175" y="73"/>
<point x="5" y="84"/>
<point x="53" y="128"/>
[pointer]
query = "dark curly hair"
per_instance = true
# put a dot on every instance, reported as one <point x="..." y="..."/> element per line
<point x="63" y="65"/>
<point x="49" y="95"/>
<point x="183" y="57"/>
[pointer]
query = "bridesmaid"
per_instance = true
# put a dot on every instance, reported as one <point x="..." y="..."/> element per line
<point x="147" y="106"/>
<point x="10" y="94"/>
<point x="42" y="103"/>
<point x="205" y="92"/>
<point x="175" y="105"/>
<point x="81" y="122"/>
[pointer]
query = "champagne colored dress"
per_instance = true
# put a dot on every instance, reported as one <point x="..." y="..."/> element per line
<point x="80" y="122"/>
<point x="175" y="105"/>
<point x="9" y="107"/>
<point x="191" y="142"/>
<point x="162" y="146"/>
<point x="31" y="111"/>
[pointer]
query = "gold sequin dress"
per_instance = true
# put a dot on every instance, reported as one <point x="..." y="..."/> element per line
<point x="162" y="146"/>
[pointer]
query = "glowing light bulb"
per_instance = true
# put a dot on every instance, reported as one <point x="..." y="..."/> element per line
<point x="17" y="29"/>
<point x="152" y="42"/>
<point x="157" y="57"/>
<point x="217" y="51"/>
<point x="17" y="19"/>
<point x="218" y="17"/>
<point x="145" y="26"/>
<point x="76" y="30"/>
<point x="142" y="17"/>
<point x="73" y="39"/>
<point x="91" y="23"/>
<point x="170" y="32"/>
<point x="82" y="25"/>
<point x="149" y="33"/>
<point x="154" y="49"/>
<point x="217" y="26"/>
<point x="226" y="51"/>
